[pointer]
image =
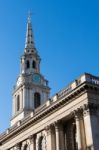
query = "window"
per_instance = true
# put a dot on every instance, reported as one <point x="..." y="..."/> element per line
<point x="34" y="64"/>
<point x="27" y="64"/>
<point x="42" y="143"/>
<point x="37" y="100"/>
<point x="18" y="103"/>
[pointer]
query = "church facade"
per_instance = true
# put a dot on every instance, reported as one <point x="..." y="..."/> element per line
<point x="67" y="121"/>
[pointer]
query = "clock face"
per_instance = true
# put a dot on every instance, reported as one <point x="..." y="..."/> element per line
<point x="36" y="78"/>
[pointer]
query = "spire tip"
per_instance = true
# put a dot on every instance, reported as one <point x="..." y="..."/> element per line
<point x="29" y="16"/>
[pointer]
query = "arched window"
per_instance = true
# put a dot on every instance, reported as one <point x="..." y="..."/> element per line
<point x="42" y="143"/>
<point x="18" y="103"/>
<point x="37" y="100"/>
<point x="25" y="147"/>
<point x="27" y="64"/>
<point x="34" y="64"/>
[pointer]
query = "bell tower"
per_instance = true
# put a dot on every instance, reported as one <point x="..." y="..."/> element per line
<point x="31" y="89"/>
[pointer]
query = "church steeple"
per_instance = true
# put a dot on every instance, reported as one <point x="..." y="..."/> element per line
<point x="31" y="89"/>
<point x="29" y="41"/>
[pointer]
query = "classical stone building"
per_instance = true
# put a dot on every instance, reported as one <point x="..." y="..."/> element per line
<point x="67" y="121"/>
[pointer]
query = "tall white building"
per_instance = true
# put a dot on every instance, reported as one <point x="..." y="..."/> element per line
<point x="67" y="121"/>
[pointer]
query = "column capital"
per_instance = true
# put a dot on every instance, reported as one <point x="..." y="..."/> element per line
<point x="18" y="146"/>
<point x="31" y="138"/>
<point x="49" y="129"/>
<point x="58" y="125"/>
<point x="90" y="108"/>
<point x="58" y="122"/>
<point x="78" y="113"/>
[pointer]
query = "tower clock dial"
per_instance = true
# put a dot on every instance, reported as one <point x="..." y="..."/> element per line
<point x="36" y="78"/>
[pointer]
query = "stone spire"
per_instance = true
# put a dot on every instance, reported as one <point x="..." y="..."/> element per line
<point x="29" y="43"/>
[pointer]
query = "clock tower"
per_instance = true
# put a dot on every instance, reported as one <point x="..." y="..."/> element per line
<point x="31" y="89"/>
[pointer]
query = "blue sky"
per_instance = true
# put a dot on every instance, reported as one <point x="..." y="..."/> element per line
<point x="66" y="36"/>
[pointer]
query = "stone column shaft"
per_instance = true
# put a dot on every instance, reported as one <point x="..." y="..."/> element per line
<point x="83" y="137"/>
<point x="58" y="129"/>
<point x="32" y="139"/>
<point x="57" y="138"/>
<point x="62" y="139"/>
<point x="50" y="138"/>
<point x="88" y="131"/>
<point x="80" y="130"/>
<point x="78" y="134"/>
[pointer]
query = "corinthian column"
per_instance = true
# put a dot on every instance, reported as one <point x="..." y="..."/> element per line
<point x="32" y="139"/>
<point x="61" y="137"/>
<point x="50" y="138"/>
<point x="57" y="136"/>
<point x="80" y="130"/>
<point x="78" y="133"/>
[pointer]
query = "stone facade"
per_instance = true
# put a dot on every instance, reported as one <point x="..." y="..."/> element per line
<point x="67" y="121"/>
